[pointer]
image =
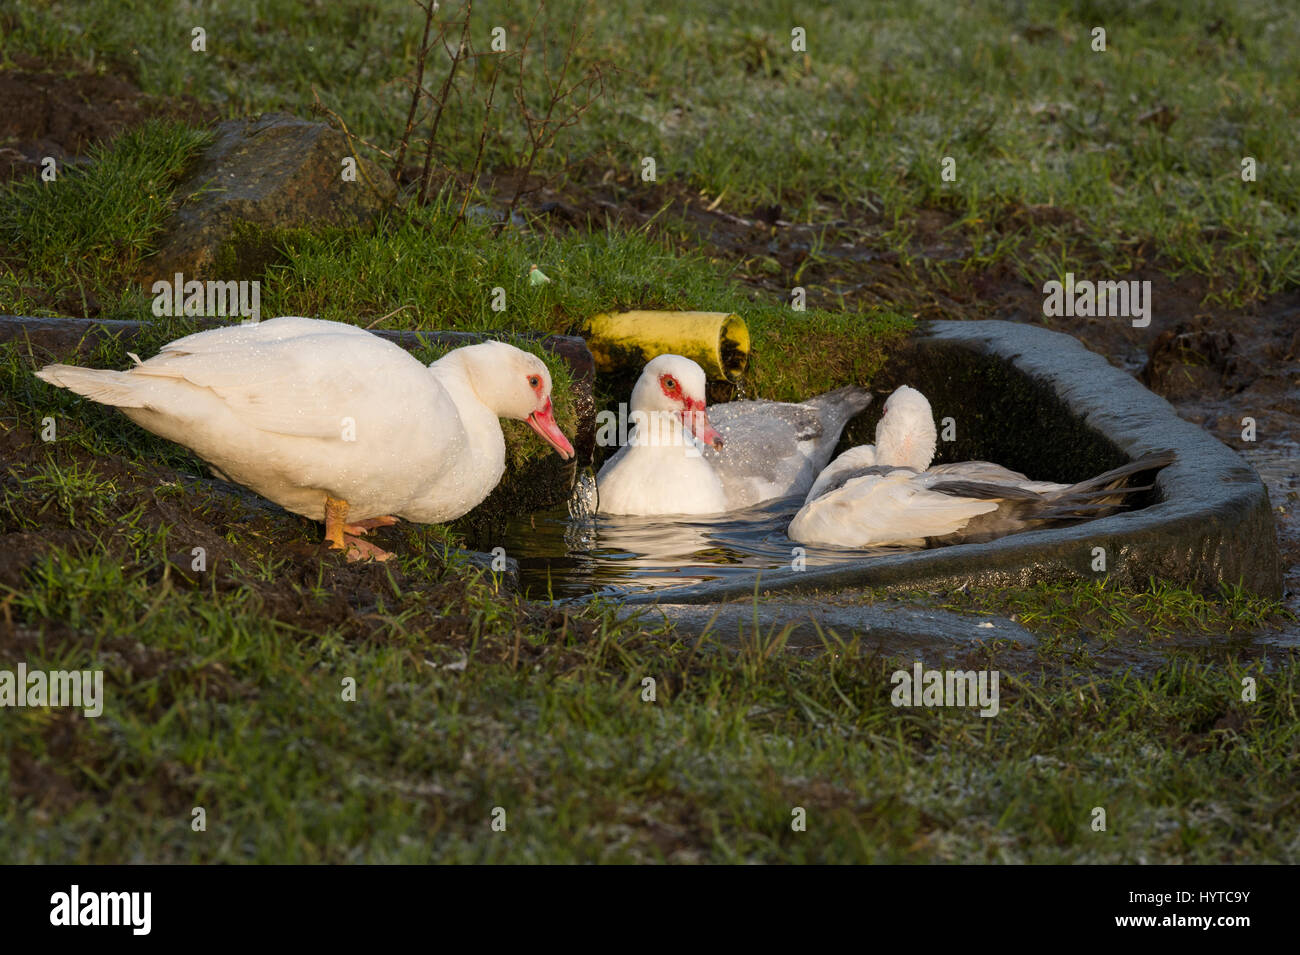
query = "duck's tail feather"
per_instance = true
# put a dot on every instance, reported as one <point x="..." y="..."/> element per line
<point x="1088" y="505"/>
<point x="1112" y="479"/>
<point x="1023" y="508"/>
<point x="1102" y="494"/>
<point x="834" y="410"/>
<point x="838" y="406"/>
<point x="117" y="388"/>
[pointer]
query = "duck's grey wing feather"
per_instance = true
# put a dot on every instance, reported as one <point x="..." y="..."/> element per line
<point x="774" y="449"/>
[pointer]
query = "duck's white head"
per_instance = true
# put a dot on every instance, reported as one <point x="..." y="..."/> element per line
<point x="906" y="435"/>
<point x="514" y="384"/>
<point x="673" y="385"/>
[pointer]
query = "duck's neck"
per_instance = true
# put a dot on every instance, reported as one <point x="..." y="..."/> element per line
<point x="905" y="447"/>
<point x="660" y="432"/>
<point x="487" y="445"/>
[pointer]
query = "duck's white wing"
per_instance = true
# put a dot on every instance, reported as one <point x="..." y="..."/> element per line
<point x="878" y="509"/>
<point x="304" y="382"/>
<point x="852" y="463"/>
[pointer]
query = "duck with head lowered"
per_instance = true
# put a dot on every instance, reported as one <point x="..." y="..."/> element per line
<point x="888" y="494"/>
<point x="684" y="458"/>
<point x="333" y="422"/>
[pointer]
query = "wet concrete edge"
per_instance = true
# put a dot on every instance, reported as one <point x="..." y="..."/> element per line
<point x="884" y="629"/>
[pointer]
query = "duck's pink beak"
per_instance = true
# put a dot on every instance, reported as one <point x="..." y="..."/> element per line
<point x="696" y="420"/>
<point x="543" y="422"/>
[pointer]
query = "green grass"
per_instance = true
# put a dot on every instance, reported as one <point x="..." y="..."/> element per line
<point x="1154" y="612"/>
<point x="441" y="279"/>
<point x="414" y="262"/>
<point x="219" y="701"/>
<point x="1013" y="93"/>
<point x="1100" y="609"/>
<point x="1086" y="623"/>
<point x="224" y="686"/>
<point x="417" y="267"/>
<point x="86" y="232"/>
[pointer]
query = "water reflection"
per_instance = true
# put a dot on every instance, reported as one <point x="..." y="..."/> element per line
<point x="569" y="552"/>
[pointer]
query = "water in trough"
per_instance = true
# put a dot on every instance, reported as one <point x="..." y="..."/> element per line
<point x="569" y="551"/>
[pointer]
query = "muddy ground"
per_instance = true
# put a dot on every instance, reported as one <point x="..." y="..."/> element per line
<point x="1216" y="365"/>
<point x="240" y="534"/>
<point x="49" y="111"/>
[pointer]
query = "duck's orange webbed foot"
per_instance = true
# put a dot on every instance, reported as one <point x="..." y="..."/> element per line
<point x="360" y="549"/>
<point x="341" y="535"/>
<point x="369" y="524"/>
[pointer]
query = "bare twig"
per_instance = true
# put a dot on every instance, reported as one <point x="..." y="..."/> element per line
<point x="543" y="128"/>
<point x="389" y="315"/>
<point x="556" y="101"/>
<point x="482" y="142"/>
<point x="320" y="107"/>
<point x="441" y="101"/>
<point x="418" y="86"/>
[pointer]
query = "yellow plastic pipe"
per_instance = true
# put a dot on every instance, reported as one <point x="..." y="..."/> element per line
<point x="717" y="341"/>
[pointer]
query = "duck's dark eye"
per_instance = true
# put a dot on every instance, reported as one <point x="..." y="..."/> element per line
<point x="670" y="384"/>
<point x="534" y="381"/>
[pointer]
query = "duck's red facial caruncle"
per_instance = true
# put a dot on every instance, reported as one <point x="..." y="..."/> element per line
<point x="543" y="419"/>
<point x="695" y="418"/>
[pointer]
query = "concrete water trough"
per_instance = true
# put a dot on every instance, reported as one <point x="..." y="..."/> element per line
<point x="1040" y="402"/>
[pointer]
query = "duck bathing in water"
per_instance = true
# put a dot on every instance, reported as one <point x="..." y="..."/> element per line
<point x="888" y="494"/>
<point x="684" y="458"/>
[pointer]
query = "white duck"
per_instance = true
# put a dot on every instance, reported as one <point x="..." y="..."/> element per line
<point x="678" y="461"/>
<point x="887" y="493"/>
<point x="332" y="422"/>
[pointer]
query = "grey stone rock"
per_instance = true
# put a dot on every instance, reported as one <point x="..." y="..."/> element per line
<point x="273" y="171"/>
